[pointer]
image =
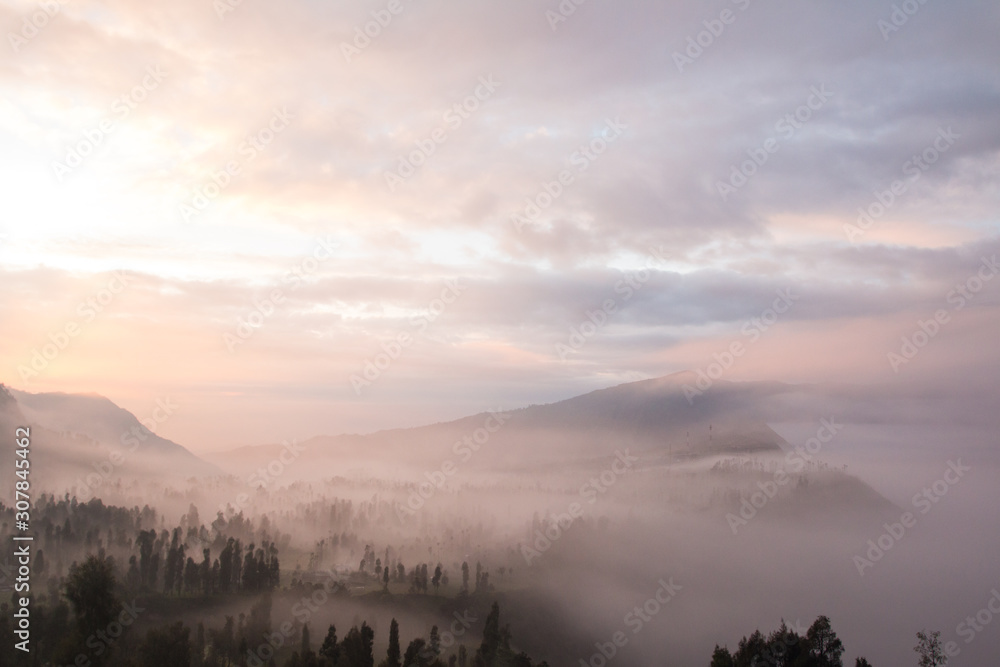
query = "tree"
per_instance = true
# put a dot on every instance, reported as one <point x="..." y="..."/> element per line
<point x="437" y="578"/>
<point x="330" y="650"/>
<point x="199" y="647"/>
<point x="751" y="650"/>
<point x="145" y="541"/>
<point x="166" y="647"/>
<point x="786" y="647"/>
<point x="392" y="655"/>
<point x="465" y="576"/>
<point x="306" y="648"/>
<point x="205" y="572"/>
<point x="824" y="643"/>
<point x="861" y="662"/>
<point x="721" y="658"/>
<point x="133" y="578"/>
<point x="434" y="645"/>
<point x="90" y="590"/>
<point x="226" y="567"/>
<point x="930" y="650"/>
<point x="192" y="576"/>
<point x="490" y="645"/>
<point x="356" y="649"/>
<point x="415" y="652"/>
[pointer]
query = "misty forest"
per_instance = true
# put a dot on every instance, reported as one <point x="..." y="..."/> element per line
<point x="504" y="538"/>
<point x="516" y="333"/>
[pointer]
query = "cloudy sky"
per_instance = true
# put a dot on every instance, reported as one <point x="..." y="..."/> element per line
<point x="242" y="205"/>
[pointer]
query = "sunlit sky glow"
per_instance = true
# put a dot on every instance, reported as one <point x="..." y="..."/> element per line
<point x="224" y="80"/>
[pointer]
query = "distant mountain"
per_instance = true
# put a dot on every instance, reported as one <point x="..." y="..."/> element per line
<point x="74" y="437"/>
<point x="651" y="416"/>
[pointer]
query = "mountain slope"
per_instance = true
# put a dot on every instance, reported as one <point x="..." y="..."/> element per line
<point x="651" y="416"/>
<point x="75" y="437"/>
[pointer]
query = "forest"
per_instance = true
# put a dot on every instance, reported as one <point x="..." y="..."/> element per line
<point x="123" y="588"/>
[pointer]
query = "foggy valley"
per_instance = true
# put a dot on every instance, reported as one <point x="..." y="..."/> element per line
<point x="569" y="515"/>
<point x="533" y="333"/>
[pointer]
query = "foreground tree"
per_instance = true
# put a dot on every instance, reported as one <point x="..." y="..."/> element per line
<point x="90" y="590"/>
<point x="930" y="650"/>
<point x="392" y="655"/>
<point x="784" y="647"/>
<point x="721" y="658"/>
<point x="166" y="647"/>
<point x="825" y="646"/>
<point x="330" y="650"/>
<point x="356" y="648"/>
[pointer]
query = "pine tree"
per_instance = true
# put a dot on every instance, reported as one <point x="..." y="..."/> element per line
<point x="490" y="645"/>
<point x="930" y="650"/>
<point x="306" y="648"/>
<point x="437" y="578"/>
<point x="721" y="658"/>
<point x="392" y="655"/>
<point x="330" y="650"/>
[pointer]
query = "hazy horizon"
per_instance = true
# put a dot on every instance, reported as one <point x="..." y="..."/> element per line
<point x="634" y="272"/>
<point x="453" y="256"/>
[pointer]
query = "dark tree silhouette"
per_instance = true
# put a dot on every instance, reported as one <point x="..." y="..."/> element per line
<point x="930" y="650"/>
<point x="166" y="647"/>
<point x="824" y="643"/>
<point x="330" y="650"/>
<point x="90" y="590"/>
<point x="436" y="581"/>
<point x="356" y="648"/>
<point x="392" y="655"/>
<point x="721" y="658"/>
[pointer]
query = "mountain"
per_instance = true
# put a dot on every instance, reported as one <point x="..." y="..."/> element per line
<point x="711" y="453"/>
<point x="83" y="442"/>
<point x="653" y="417"/>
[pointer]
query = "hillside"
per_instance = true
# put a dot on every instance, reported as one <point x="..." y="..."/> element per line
<point x="76" y="438"/>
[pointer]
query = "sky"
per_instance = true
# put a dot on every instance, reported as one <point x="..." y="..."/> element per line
<point x="288" y="219"/>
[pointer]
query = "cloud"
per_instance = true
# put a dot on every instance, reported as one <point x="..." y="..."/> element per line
<point x="352" y="120"/>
